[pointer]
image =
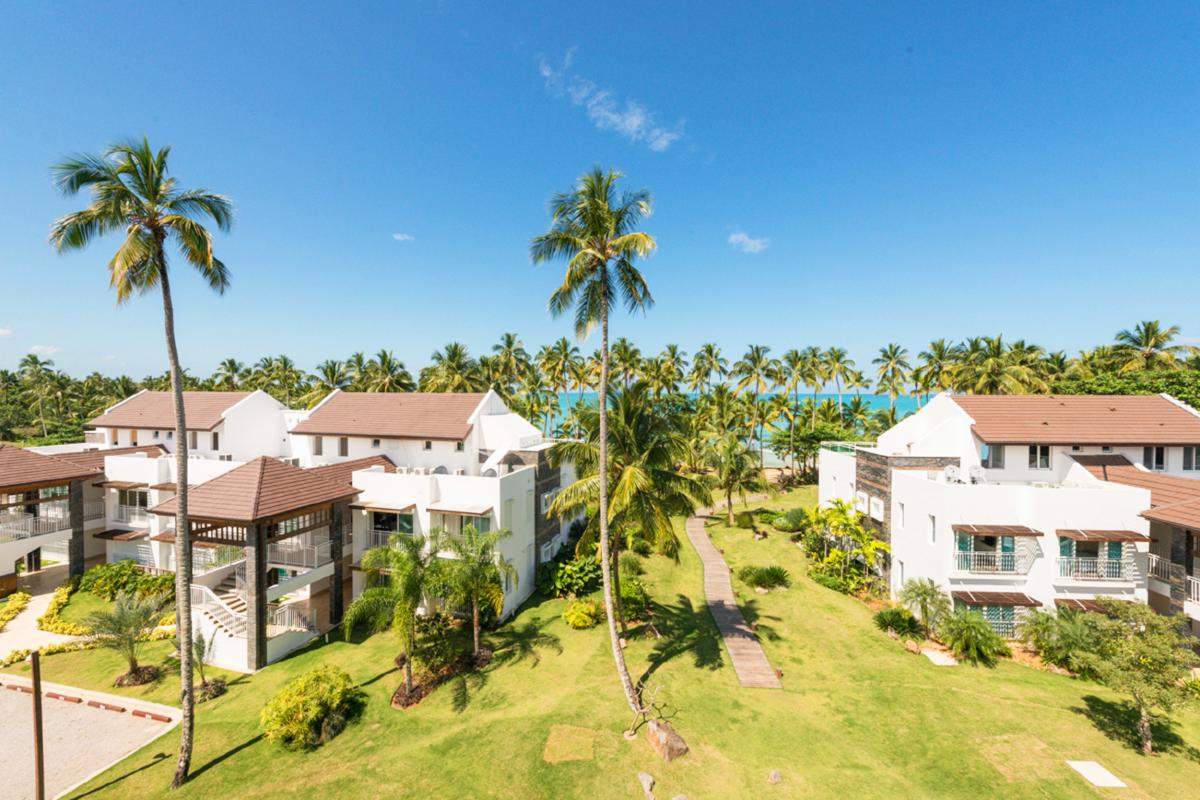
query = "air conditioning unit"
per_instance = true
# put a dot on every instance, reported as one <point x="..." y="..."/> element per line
<point x="951" y="472"/>
<point x="401" y="470"/>
<point x="418" y="471"/>
<point x="975" y="472"/>
<point x="460" y="471"/>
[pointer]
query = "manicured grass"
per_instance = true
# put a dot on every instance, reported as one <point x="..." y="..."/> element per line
<point x="858" y="716"/>
<point x="81" y="605"/>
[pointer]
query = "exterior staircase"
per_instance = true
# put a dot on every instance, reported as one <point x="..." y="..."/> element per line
<point x="227" y="590"/>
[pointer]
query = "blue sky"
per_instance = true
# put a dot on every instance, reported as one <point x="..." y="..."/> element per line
<point x="824" y="174"/>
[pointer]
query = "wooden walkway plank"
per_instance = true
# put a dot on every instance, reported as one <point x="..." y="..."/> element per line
<point x="749" y="661"/>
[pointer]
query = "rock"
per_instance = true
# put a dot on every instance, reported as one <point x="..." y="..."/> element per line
<point x="774" y="777"/>
<point x="647" y="782"/>
<point x="760" y="590"/>
<point x="665" y="741"/>
<point x="679" y="797"/>
<point x="624" y="643"/>
<point x="892" y="634"/>
<point x="912" y="647"/>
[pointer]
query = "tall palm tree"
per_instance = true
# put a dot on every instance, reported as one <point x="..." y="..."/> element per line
<point x="837" y="368"/>
<point x="228" y="375"/>
<point x="1150" y="346"/>
<point x="452" y="370"/>
<point x="707" y="363"/>
<point x="673" y="364"/>
<point x="359" y="367"/>
<point x="734" y="471"/>
<point x="892" y="370"/>
<point x="132" y="191"/>
<point x="938" y="363"/>
<point x="509" y="359"/>
<point x="594" y="229"/>
<point x="755" y="371"/>
<point x="386" y="373"/>
<point x="626" y="360"/>
<point x="330" y="376"/>
<point x="34" y="372"/>
<point x="477" y="573"/>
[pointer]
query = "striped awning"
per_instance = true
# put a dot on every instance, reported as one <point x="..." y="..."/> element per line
<point x="995" y="530"/>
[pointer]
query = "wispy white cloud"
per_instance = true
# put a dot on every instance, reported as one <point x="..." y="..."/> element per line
<point x="605" y="108"/>
<point x="5" y="332"/>
<point x="748" y="244"/>
<point x="403" y="237"/>
<point x="45" y="349"/>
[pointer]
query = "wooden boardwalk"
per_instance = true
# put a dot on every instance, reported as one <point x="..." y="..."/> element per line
<point x="749" y="661"/>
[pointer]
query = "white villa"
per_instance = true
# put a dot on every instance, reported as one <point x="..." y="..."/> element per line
<point x="282" y="503"/>
<point x="1019" y="502"/>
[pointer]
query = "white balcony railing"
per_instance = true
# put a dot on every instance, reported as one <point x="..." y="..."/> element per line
<point x="991" y="562"/>
<point x="286" y="618"/>
<point x="205" y="600"/>
<point x="1158" y="567"/>
<point x="93" y="510"/>
<point x="132" y="515"/>
<point x="26" y="526"/>
<point x="299" y="554"/>
<point x="1193" y="589"/>
<point x="1100" y="569"/>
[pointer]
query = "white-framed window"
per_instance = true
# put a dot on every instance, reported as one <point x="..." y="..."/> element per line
<point x="460" y="447"/>
<point x="155" y="435"/>
<point x="428" y="445"/>
<point x="193" y="440"/>
<point x="932" y="529"/>
<point x="1154" y="458"/>
<point x="375" y="444"/>
<point x="900" y="516"/>
<point x="506" y="520"/>
<point x="1039" y="456"/>
<point x="877" y="509"/>
<point x="548" y="499"/>
<point x="318" y="445"/>
<point x="547" y="551"/>
<point x="860" y="502"/>
<point x="992" y="456"/>
<point x="216" y="441"/>
<point x="1191" y="459"/>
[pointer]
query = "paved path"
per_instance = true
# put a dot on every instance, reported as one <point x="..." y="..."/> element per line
<point x="749" y="661"/>
<point x="22" y="632"/>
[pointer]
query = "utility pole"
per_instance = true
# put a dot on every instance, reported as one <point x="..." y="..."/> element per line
<point x="39" y="765"/>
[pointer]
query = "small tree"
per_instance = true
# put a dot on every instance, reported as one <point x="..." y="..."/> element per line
<point x="734" y="471"/>
<point x="1147" y="656"/>
<point x="124" y="628"/>
<point x="971" y="638"/>
<point x="925" y="598"/>
<point x="476" y="574"/>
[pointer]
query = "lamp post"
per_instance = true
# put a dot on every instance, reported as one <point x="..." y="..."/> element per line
<point x="39" y="765"/>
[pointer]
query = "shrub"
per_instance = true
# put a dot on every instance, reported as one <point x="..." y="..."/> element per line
<point x="764" y="577"/>
<point x="641" y="547"/>
<point x="744" y="520"/>
<point x="634" y="597"/>
<point x="766" y="516"/>
<point x="971" y="638"/>
<point x="50" y="620"/>
<point x="789" y="521"/>
<point x="1064" y="639"/>
<point x="440" y="646"/>
<point x="901" y="621"/>
<point x="577" y="576"/>
<point x="631" y="564"/>
<point x="124" y="577"/>
<point x="582" y="614"/>
<point x="14" y="605"/>
<point x="830" y="581"/>
<point x="312" y="709"/>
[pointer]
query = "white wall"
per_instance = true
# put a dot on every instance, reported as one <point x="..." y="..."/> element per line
<point x="835" y="476"/>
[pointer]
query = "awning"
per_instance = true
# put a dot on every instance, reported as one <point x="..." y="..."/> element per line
<point x="995" y="599"/>
<point x="995" y="530"/>
<point x="464" y="509"/>
<point x="383" y="509"/>
<point x="1077" y="605"/>
<point x="1080" y="535"/>
<point x="169" y="536"/>
<point x="121" y="485"/>
<point x="122" y="536"/>
<point x="167" y="487"/>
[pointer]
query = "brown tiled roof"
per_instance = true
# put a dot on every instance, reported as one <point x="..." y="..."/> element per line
<point x="95" y="458"/>
<point x="258" y="490"/>
<point x="400" y="415"/>
<point x="995" y="530"/>
<point x="1102" y="536"/>
<point x="156" y="411"/>
<point x="1081" y="419"/>
<point x="995" y="599"/>
<point x="1174" y="501"/>
<point x="21" y="468"/>
<point x="341" y="472"/>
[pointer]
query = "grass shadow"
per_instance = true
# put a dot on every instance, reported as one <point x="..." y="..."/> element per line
<point x="154" y="760"/>
<point x="512" y="644"/>
<point x="754" y="618"/>
<point x="684" y="629"/>
<point x="224" y="756"/>
<point x="1118" y="721"/>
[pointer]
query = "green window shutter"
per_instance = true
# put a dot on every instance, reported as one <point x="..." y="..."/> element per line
<point x="964" y="543"/>
<point x="1114" y="551"/>
<point x="1066" y="547"/>
<point x="1007" y="544"/>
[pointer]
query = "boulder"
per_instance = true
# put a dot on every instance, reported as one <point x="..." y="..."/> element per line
<point x="912" y="647"/>
<point x="892" y="634"/>
<point x="774" y="777"/>
<point x="647" y="782"/>
<point x="760" y="590"/>
<point x="665" y="741"/>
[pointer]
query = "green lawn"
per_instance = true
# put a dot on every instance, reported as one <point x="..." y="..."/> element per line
<point x="858" y="716"/>
<point x="81" y="605"/>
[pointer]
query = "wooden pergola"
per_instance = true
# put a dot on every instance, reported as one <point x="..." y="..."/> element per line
<point x="258" y="504"/>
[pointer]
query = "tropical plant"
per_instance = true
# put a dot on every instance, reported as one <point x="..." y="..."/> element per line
<point x="582" y="614"/>
<point x="971" y="638"/>
<point x="312" y="709"/>
<point x="1061" y="639"/>
<point x="132" y="191"/>
<point x="477" y="573"/>
<point x="124" y="628"/>
<point x="734" y="471"/>
<point x="771" y="577"/>
<point x="901" y="621"/>
<point x="924" y="598"/>
<point x="577" y="576"/>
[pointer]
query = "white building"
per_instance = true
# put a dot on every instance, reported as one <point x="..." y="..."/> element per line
<point x="995" y="497"/>
<point x="337" y="479"/>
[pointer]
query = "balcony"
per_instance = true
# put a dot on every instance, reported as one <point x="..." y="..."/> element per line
<point x="1193" y="589"/>
<point x="20" y="525"/>
<point x="991" y="562"/>
<point x="300" y="553"/>
<point x="132" y="515"/>
<point x="1097" y="569"/>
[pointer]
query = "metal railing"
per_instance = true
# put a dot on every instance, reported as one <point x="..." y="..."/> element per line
<point x="1103" y="569"/>
<point x="299" y="555"/>
<point x="1005" y="628"/>
<point x="991" y="562"/>
<point x="846" y="447"/>
<point x="93" y="509"/>
<point x="1193" y="589"/>
<point x="132" y="515"/>
<point x="1158" y="567"/>
<point x="204" y="599"/>
<point x="287" y="618"/>
<point x="27" y="526"/>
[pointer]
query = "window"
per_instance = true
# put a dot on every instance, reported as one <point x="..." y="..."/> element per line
<point x="343" y="447"/>
<point x="1075" y="448"/>
<point x="932" y="528"/>
<point x="992" y="456"/>
<point x="547" y="551"/>
<point x="482" y="524"/>
<point x="877" y="509"/>
<point x="216" y="441"/>
<point x="428" y="445"/>
<point x="860" y="502"/>
<point x="155" y="434"/>
<point x="1039" y="456"/>
<point x="375" y="443"/>
<point x="507" y="580"/>
<point x="318" y="444"/>
<point x="459" y="447"/>
<point x="170" y="435"/>
<point x="548" y="499"/>
<point x="133" y="497"/>
<point x="1191" y="459"/>
<point x="1154" y="458"/>
<point x="1106" y="448"/>
<point x="193" y="440"/>
<point x="388" y="522"/>
<point x="900" y="516"/>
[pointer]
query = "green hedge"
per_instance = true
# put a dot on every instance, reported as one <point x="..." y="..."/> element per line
<point x="312" y="709"/>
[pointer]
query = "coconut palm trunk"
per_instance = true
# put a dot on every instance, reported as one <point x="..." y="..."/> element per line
<point x="183" y="539"/>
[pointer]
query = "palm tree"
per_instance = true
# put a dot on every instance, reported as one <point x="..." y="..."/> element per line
<point x="386" y="373"/>
<point x="926" y="599"/>
<point x="707" y="363"/>
<point x="228" y="374"/>
<point x="938" y="363"/>
<point x="477" y="573"/>
<point x="837" y="367"/>
<point x="398" y="577"/>
<point x="452" y="370"/>
<point x="892" y="371"/>
<point x="734" y="471"/>
<point x="673" y="365"/>
<point x="509" y="360"/>
<point x="754" y="371"/>
<point x="132" y="191"/>
<point x="331" y="375"/>
<point x="359" y="367"/>
<point x="124" y="627"/>
<point x="626" y="360"/>
<point x="34" y="372"/>
<point x="1149" y="346"/>
<point x="594" y="229"/>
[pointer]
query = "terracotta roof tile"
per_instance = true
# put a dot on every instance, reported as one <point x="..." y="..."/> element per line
<point x="258" y="490"/>
<point x="995" y="530"/>
<point x="341" y="472"/>
<point x="95" y="458"/>
<point x="1081" y="419"/>
<point x="24" y="468"/>
<point x="995" y="599"/>
<point x="1081" y="535"/>
<point x="156" y="411"/>
<point x="402" y="415"/>
<point x="1174" y="501"/>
